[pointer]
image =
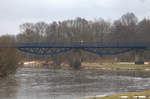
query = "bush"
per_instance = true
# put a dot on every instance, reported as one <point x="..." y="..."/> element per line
<point x="8" y="57"/>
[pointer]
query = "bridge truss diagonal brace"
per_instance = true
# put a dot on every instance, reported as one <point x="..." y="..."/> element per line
<point x="108" y="53"/>
<point x="44" y="52"/>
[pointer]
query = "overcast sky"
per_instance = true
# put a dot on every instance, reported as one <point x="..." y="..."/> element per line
<point x="15" y="12"/>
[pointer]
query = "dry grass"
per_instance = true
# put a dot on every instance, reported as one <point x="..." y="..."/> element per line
<point x="117" y="66"/>
<point x="130" y="95"/>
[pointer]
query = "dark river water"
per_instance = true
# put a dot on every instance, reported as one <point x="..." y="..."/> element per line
<point x="43" y="83"/>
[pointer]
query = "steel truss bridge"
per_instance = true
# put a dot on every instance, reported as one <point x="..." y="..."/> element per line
<point x="57" y="48"/>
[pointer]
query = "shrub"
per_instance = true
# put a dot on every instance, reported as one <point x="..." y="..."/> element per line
<point x="8" y="57"/>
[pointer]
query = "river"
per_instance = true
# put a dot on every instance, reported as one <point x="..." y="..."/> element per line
<point x="43" y="83"/>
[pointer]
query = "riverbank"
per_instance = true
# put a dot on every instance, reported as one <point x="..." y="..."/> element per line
<point x="96" y="65"/>
<point x="130" y="95"/>
<point x="116" y="66"/>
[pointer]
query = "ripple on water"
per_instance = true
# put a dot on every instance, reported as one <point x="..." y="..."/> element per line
<point x="69" y="84"/>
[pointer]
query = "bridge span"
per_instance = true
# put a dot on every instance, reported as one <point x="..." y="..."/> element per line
<point x="76" y="45"/>
<point x="95" y="48"/>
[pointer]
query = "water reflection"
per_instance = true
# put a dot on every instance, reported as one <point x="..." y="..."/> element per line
<point x="32" y="83"/>
<point x="8" y="88"/>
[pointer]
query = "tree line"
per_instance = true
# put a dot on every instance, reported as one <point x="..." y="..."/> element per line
<point x="125" y="29"/>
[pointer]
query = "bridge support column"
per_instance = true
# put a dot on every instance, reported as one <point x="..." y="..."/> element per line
<point x="57" y="61"/>
<point x="139" y="56"/>
<point x="75" y="61"/>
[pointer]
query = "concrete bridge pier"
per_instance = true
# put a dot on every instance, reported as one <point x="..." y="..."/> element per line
<point x="75" y="61"/>
<point x="57" y="61"/>
<point x="139" y="56"/>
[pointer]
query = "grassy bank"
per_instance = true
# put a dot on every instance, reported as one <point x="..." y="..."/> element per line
<point x="116" y="66"/>
<point x="130" y="95"/>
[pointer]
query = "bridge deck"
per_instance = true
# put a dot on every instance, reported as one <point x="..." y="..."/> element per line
<point x="76" y="45"/>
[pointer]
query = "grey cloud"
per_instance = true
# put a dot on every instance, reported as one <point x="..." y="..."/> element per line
<point x="18" y="11"/>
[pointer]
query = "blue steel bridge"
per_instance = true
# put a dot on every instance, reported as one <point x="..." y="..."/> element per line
<point x="95" y="48"/>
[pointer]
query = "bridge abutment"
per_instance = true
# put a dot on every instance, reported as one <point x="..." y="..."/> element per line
<point x="139" y="56"/>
